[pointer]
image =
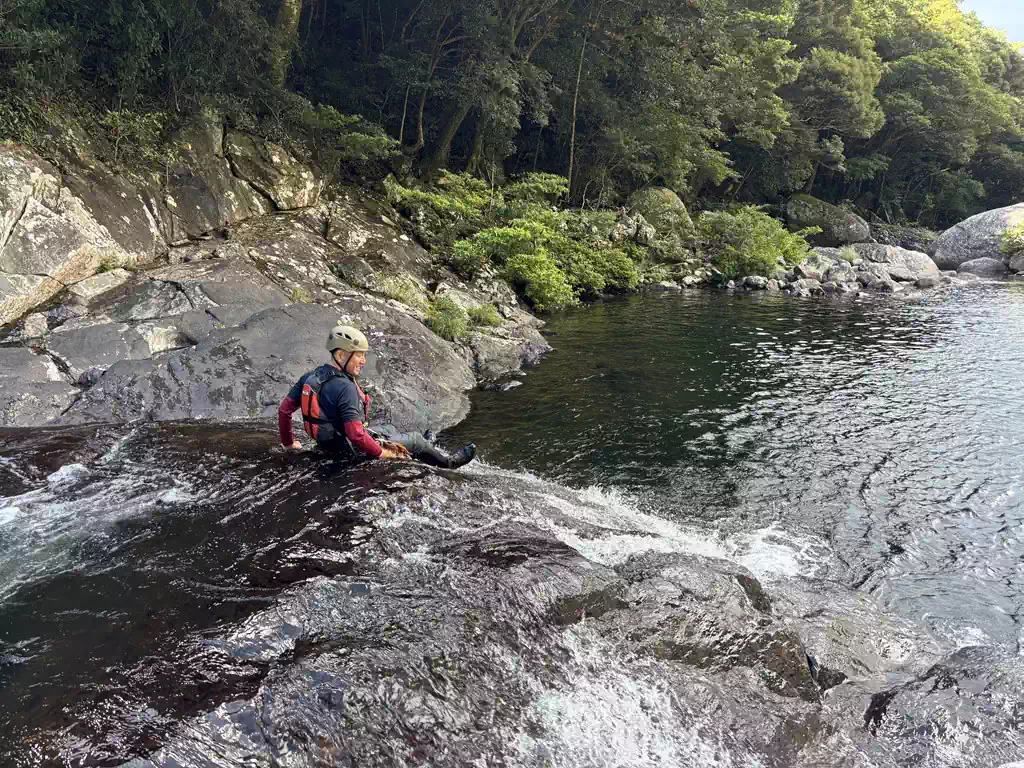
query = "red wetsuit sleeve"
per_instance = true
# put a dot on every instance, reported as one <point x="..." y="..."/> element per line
<point x="361" y="439"/>
<point x="284" y="419"/>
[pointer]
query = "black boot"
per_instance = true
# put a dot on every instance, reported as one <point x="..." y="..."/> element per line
<point x="462" y="457"/>
<point x="435" y="457"/>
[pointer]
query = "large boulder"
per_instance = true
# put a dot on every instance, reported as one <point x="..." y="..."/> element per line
<point x="273" y="171"/>
<point x="902" y="264"/>
<point x="48" y="237"/>
<point x="838" y="226"/>
<point x="984" y="267"/>
<point x="978" y="237"/>
<point x="32" y="389"/>
<point x="911" y="237"/>
<point x="663" y="209"/>
<point x="366" y="229"/>
<point x="203" y="194"/>
<point x="1017" y="263"/>
<point x="419" y="380"/>
<point x="124" y="209"/>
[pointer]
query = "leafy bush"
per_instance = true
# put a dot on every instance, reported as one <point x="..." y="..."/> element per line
<point x="540" y="279"/>
<point x="402" y="289"/>
<point x="497" y="245"/>
<point x="534" y="188"/>
<point x="346" y="145"/>
<point x="591" y="269"/>
<point x="848" y="253"/>
<point x="451" y="210"/>
<point x="746" y="241"/>
<point x="1013" y="240"/>
<point x="447" y="319"/>
<point x="136" y="136"/>
<point x="589" y="265"/>
<point x="485" y="314"/>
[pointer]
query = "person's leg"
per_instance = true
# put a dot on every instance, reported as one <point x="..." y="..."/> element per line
<point x="421" y="449"/>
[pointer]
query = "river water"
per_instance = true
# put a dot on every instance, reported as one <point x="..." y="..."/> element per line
<point x="689" y="496"/>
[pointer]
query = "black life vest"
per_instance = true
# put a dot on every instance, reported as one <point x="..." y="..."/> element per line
<point x="317" y="427"/>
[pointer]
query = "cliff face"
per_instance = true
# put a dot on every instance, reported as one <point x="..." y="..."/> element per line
<point x="206" y="292"/>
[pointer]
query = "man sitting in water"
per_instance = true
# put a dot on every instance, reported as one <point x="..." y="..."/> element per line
<point x="335" y="411"/>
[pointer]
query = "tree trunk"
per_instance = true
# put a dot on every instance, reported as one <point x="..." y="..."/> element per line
<point x="477" y="155"/>
<point x="575" y="102"/>
<point x="420" y="140"/>
<point x="814" y="177"/>
<point x="444" y="146"/>
<point x="286" y="32"/>
<point x="405" y="111"/>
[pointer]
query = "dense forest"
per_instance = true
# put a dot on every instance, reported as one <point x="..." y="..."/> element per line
<point x="907" y="110"/>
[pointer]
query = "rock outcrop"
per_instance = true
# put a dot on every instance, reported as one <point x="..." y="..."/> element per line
<point x="984" y="267"/>
<point x="657" y="217"/>
<point x="50" y="237"/>
<point x="979" y="237"/>
<point x="32" y="390"/>
<point x="206" y="292"/>
<point x="838" y="226"/>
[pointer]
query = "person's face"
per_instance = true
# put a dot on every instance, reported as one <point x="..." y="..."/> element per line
<point x="355" y="364"/>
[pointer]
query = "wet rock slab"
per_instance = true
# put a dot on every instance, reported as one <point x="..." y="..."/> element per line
<point x="32" y="389"/>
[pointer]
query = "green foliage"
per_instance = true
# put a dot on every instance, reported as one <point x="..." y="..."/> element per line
<point x="540" y="279"/>
<point x="402" y="289"/>
<point x="746" y="241"/>
<point x="485" y="314"/>
<point x="910" y="109"/>
<point x="447" y="319"/>
<point x="107" y="265"/>
<point x="300" y="295"/>
<point x="1013" y="240"/>
<point x="136" y="137"/>
<point x="345" y="145"/>
<point x="456" y="206"/>
<point x="848" y="254"/>
<point x="570" y="241"/>
<point x="537" y="188"/>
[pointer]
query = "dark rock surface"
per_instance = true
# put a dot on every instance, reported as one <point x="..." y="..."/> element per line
<point x="243" y="372"/>
<point x="32" y="389"/>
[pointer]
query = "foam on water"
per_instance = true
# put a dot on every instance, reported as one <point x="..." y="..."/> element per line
<point x="39" y="527"/>
<point x="770" y="553"/>
<point x="617" y="713"/>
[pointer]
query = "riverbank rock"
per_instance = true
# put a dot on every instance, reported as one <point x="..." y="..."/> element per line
<point x="908" y="236"/>
<point x="272" y="171"/>
<point x="32" y="389"/>
<point x="662" y="222"/>
<point x="243" y="372"/>
<point x="838" y="227"/>
<point x="984" y="267"/>
<point x="902" y="265"/>
<point x="663" y="209"/>
<point x="48" y="237"/>
<point x="977" y="237"/>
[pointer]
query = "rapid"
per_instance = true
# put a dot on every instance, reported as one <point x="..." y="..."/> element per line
<point x="706" y="530"/>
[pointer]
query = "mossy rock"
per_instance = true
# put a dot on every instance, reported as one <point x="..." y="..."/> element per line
<point x="663" y="210"/>
<point x="838" y="226"/>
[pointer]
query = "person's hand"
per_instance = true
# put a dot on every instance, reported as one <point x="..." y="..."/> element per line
<point x="390" y="450"/>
